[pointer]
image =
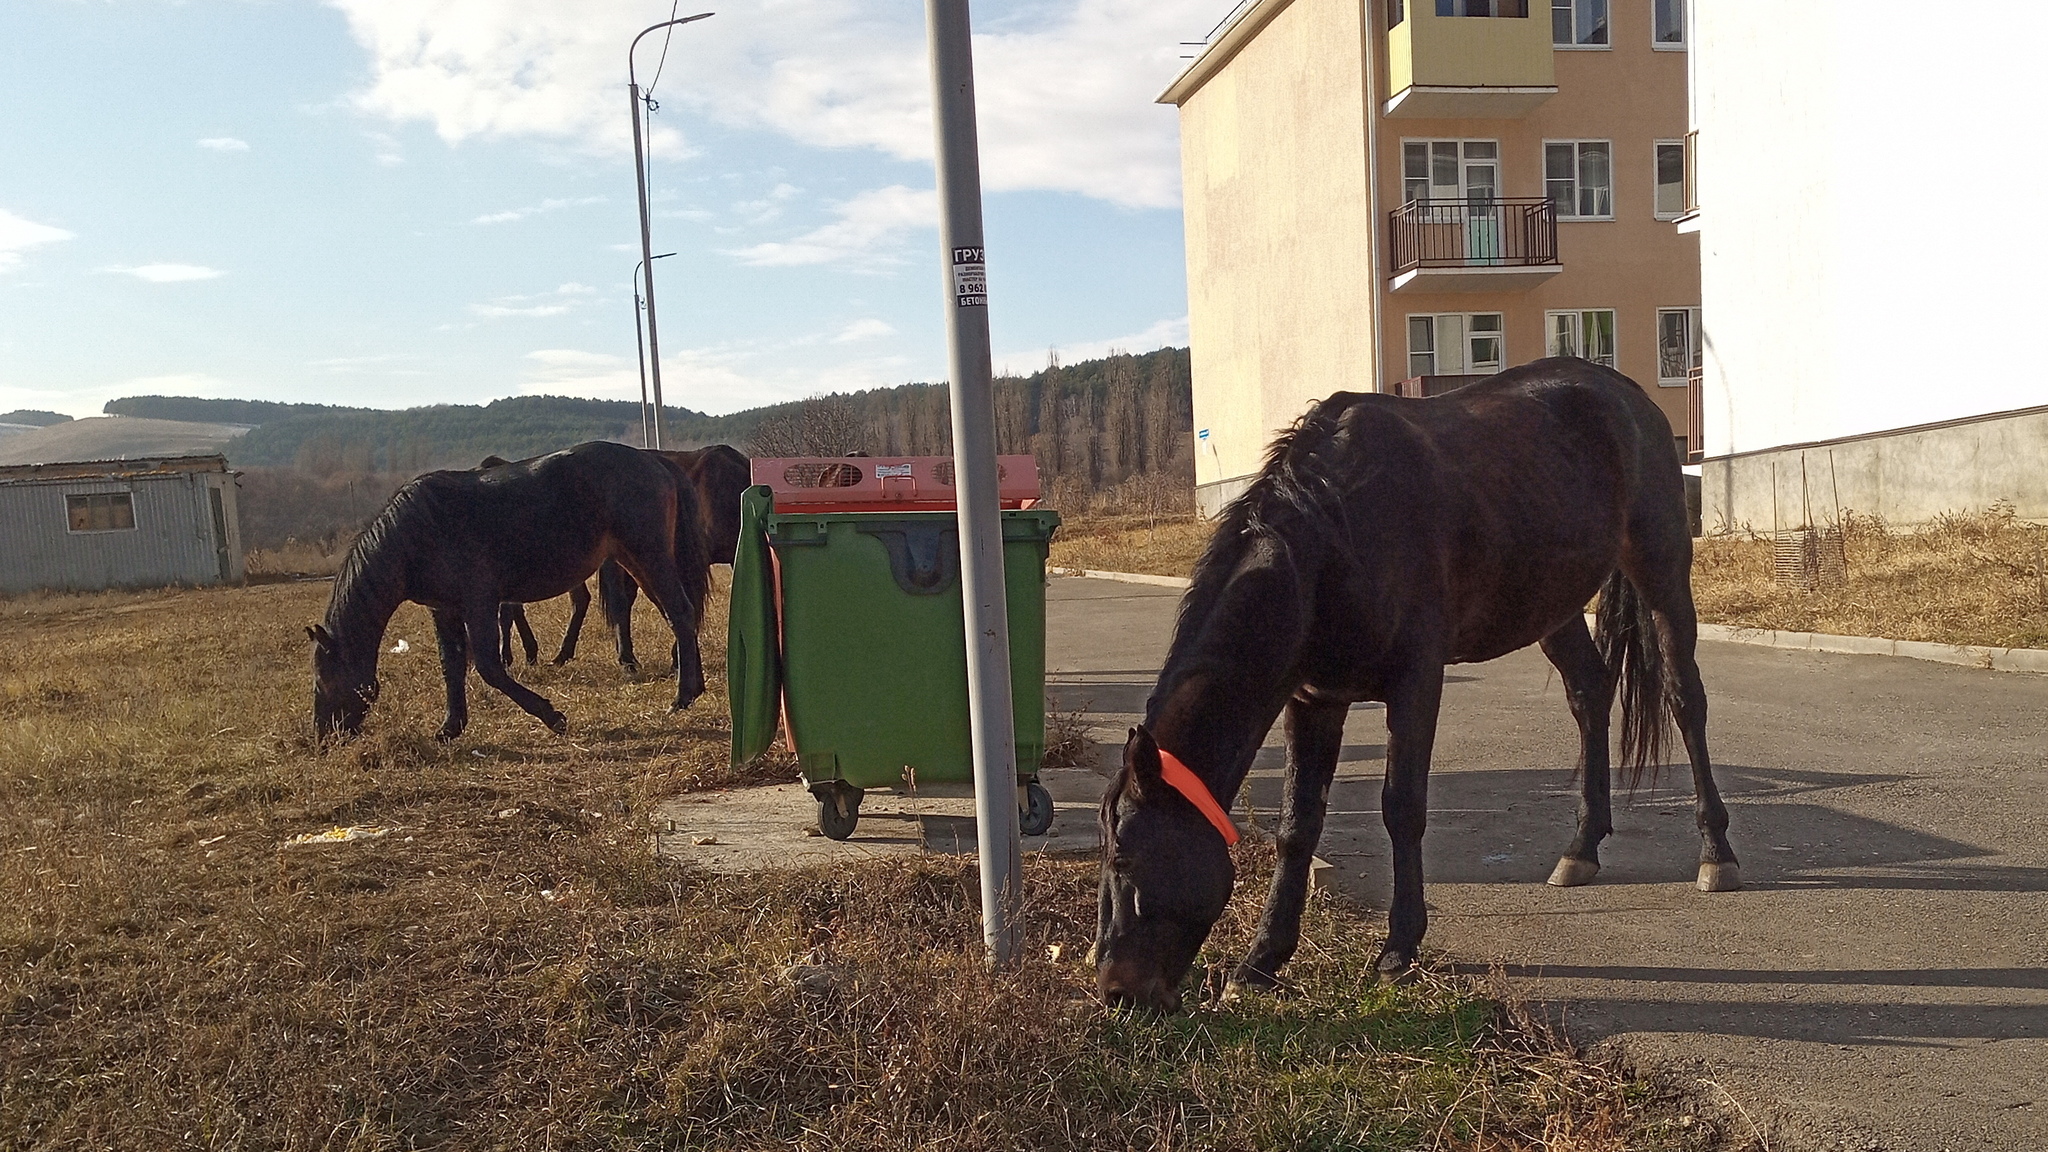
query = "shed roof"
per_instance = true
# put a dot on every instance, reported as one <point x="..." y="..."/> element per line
<point x="136" y="468"/>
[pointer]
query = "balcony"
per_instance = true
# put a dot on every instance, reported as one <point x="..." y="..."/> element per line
<point x="1482" y="246"/>
<point x="1492" y="61"/>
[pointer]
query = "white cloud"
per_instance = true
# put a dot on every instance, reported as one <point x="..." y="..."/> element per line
<point x="170" y="273"/>
<point x="224" y="144"/>
<point x="512" y="214"/>
<point x="1065" y="88"/>
<point x="18" y="235"/>
<point x="1170" y="333"/>
<point x="867" y="223"/>
<point x="868" y="329"/>
<point x="566" y="298"/>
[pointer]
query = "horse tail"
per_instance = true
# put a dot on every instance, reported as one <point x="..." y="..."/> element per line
<point x="1628" y="642"/>
<point x="692" y="548"/>
<point x="615" y="595"/>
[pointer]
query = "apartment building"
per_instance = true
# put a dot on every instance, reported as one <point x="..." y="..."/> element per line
<point x="1407" y="195"/>
<point x="1851" y="309"/>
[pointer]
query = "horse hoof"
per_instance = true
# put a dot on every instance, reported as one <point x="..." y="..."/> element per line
<point x="1572" y="872"/>
<point x="446" y="733"/>
<point x="1720" y="877"/>
<point x="1394" y="967"/>
<point x="558" y="724"/>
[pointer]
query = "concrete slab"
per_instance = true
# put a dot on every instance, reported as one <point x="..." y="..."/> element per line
<point x="757" y="829"/>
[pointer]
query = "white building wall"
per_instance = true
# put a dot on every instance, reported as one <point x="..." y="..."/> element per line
<point x="1874" y="252"/>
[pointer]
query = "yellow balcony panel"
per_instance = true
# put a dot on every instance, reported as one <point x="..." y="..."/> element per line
<point x="1468" y="67"/>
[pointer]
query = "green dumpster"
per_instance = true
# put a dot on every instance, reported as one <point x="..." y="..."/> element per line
<point x="846" y="631"/>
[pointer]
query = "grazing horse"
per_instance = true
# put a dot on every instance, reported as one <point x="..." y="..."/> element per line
<point x="463" y="543"/>
<point x="1384" y="539"/>
<point x="720" y="473"/>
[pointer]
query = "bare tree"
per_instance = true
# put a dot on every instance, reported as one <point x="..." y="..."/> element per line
<point x="818" y="426"/>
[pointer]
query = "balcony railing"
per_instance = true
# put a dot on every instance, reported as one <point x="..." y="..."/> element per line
<point x="1421" y="387"/>
<point x="1469" y="234"/>
<point x="1692" y="153"/>
<point x="1695" y="412"/>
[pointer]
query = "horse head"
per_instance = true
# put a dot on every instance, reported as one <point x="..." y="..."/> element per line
<point x="343" y="686"/>
<point x="1166" y="876"/>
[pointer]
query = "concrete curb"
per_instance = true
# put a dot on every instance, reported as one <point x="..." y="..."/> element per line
<point x="1125" y="577"/>
<point x="1965" y="655"/>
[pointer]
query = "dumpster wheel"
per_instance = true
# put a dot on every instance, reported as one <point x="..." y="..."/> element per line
<point x="838" y="808"/>
<point x="1034" y="816"/>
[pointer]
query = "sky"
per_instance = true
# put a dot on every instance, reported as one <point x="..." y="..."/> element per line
<point x="400" y="202"/>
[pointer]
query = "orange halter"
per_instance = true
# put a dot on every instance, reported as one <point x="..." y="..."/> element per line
<point x="1184" y="781"/>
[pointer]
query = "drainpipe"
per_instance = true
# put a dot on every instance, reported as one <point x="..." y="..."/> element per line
<point x="1368" y="14"/>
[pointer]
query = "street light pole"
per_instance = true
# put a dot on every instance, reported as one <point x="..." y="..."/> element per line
<point x="640" y="186"/>
<point x="640" y="348"/>
<point x="992" y="724"/>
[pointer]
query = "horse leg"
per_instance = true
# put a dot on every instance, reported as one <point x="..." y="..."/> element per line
<point x="1662" y="578"/>
<point x="1404" y="806"/>
<point x="505" y="614"/>
<point x="454" y="672"/>
<point x="1589" y="688"/>
<point x="526" y="641"/>
<point x="481" y="620"/>
<point x="657" y="574"/>
<point x="616" y="594"/>
<point x="1315" y="735"/>
<point x="1677" y="635"/>
<point x="579" y="604"/>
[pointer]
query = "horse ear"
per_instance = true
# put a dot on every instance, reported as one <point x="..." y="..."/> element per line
<point x="1141" y="759"/>
<point x="318" y="635"/>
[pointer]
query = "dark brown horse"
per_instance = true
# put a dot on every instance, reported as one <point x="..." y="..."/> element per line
<point x="1384" y="539"/>
<point x="720" y="473"/>
<point x="463" y="543"/>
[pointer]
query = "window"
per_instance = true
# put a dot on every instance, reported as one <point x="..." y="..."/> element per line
<point x="1508" y="8"/>
<point x="1450" y="171"/>
<point x="1678" y="344"/>
<point x="1667" y="24"/>
<point x="100" y="512"/>
<point x="1578" y="177"/>
<point x="1578" y="23"/>
<point x="1670" y="179"/>
<point x="1454" y="344"/>
<point x="1588" y="335"/>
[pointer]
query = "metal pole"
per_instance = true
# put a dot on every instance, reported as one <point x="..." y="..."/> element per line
<point x="974" y="464"/>
<point x="646" y="439"/>
<point x="640" y="349"/>
<point x="646" y="238"/>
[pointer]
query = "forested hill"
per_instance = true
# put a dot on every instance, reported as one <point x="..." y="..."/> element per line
<point x="326" y="438"/>
<point x="1097" y="422"/>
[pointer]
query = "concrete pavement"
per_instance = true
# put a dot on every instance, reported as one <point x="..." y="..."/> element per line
<point x="1880" y="983"/>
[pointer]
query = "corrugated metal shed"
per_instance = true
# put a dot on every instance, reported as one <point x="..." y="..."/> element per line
<point x="119" y="524"/>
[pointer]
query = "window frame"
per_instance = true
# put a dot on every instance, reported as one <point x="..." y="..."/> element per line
<point x="1493" y="12"/>
<point x="1573" y="6"/>
<point x="1468" y="333"/>
<point x="1657" y="178"/>
<point x="1498" y="159"/>
<point x="1656" y="45"/>
<point x="126" y="500"/>
<point x="1579" y="325"/>
<point x="1568" y="212"/>
<point x="1693" y="340"/>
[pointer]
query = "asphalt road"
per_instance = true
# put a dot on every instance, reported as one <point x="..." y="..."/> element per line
<point x="1881" y="981"/>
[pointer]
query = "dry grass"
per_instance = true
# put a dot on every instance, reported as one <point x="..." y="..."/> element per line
<point x="1964" y="579"/>
<point x="511" y="968"/>
<point x="296" y="558"/>
<point x="1166" y="545"/>
<point x="1978" y="578"/>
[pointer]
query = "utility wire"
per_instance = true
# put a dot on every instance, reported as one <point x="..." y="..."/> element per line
<point x="670" y="31"/>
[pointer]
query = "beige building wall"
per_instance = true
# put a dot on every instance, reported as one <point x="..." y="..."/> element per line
<point x="1286" y="224"/>
<point x="1279" y="238"/>
<point x="1629" y="93"/>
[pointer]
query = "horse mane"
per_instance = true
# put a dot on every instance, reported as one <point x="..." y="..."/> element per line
<point x="372" y="576"/>
<point x="1292" y="503"/>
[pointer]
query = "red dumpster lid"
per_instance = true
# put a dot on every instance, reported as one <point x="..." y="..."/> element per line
<point x="885" y="483"/>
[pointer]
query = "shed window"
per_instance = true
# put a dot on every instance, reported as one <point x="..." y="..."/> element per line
<point x="101" y="512"/>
